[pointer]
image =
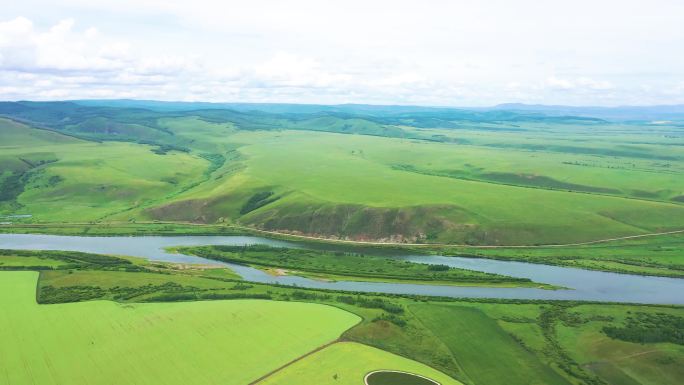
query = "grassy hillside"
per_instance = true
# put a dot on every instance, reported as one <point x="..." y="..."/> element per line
<point x="58" y="178"/>
<point x="351" y="186"/>
<point x="403" y="175"/>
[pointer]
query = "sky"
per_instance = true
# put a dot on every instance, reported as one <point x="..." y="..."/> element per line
<point x="427" y="52"/>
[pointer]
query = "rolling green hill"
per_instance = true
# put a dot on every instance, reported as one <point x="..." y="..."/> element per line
<point x="431" y="175"/>
<point x="59" y="178"/>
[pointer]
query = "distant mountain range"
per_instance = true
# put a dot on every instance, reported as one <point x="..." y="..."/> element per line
<point x="674" y="112"/>
<point x="620" y="113"/>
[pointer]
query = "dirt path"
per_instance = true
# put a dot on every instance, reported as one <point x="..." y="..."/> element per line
<point x="272" y="372"/>
<point x="636" y="354"/>
<point x="611" y="361"/>
<point x="461" y="245"/>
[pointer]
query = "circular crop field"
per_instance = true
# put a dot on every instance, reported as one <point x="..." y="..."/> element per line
<point x="393" y="377"/>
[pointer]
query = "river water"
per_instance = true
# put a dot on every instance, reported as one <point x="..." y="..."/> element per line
<point x="585" y="285"/>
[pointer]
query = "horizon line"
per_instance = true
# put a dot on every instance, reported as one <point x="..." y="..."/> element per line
<point x="522" y="104"/>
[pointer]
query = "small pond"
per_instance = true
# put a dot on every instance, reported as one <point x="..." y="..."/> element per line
<point x="392" y="377"/>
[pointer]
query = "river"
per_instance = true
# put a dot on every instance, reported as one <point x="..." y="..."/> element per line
<point x="584" y="285"/>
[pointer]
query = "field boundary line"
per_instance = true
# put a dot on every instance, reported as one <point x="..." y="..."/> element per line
<point x="276" y="370"/>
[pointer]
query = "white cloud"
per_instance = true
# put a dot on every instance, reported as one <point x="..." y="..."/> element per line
<point x="25" y="49"/>
<point x="580" y="84"/>
<point x="62" y="62"/>
<point x="289" y="70"/>
<point x="454" y="52"/>
<point x="563" y="84"/>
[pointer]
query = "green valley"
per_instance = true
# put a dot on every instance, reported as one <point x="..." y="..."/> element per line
<point x="342" y="193"/>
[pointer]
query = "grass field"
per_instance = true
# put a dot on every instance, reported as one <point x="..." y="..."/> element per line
<point x="346" y="363"/>
<point x="103" y="342"/>
<point x="621" y="362"/>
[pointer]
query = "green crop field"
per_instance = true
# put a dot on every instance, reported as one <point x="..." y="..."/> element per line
<point x="104" y="342"/>
<point x="476" y="339"/>
<point x="346" y="363"/>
